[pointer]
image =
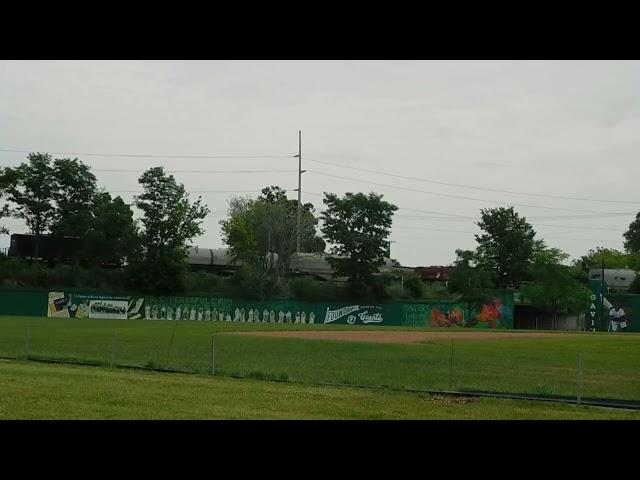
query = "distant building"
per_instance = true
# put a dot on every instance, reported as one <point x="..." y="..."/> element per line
<point x="615" y="278"/>
<point x="435" y="274"/>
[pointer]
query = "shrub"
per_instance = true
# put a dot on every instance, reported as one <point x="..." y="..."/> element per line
<point x="307" y="289"/>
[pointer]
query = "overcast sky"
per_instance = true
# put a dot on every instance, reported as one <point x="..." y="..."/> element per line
<point x="552" y="128"/>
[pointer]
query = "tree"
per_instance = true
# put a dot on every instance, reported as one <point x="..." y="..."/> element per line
<point x="170" y="221"/>
<point x="507" y="245"/>
<point x="112" y="234"/>
<point x="75" y="191"/>
<point x="470" y="281"/>
<point x="357" y="226"/>
<point x="612" y="259"/>
<point x="31" y="189"/>
<point x="310" y="242"/>
<point x="4" y="209"/>
<point x="554" y="287"/>
<point x="632" y="236"/>
<point x="262" y="233"/>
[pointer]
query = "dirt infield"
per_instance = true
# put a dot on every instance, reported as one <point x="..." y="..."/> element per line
<point x="402" y="337"/>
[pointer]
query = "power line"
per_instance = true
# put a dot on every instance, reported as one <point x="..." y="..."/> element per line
<point x="193" y="191"/>
<point x="571" y="227"/>
<point x="456" y="196"/>
<point x="451" y="216"/>
<point x="191" y="171"/>
<point x="475" y="233"/>
<point x="135" y="155"/>
<point x="417" y="179"/>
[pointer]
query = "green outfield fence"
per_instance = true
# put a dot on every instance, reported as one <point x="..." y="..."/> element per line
<point x="497" y="313"/>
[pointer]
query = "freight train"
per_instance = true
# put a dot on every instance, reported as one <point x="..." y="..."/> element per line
<point x="215" y="260"/>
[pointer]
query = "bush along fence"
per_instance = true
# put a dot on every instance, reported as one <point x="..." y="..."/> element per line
<point x="497" y="313"/>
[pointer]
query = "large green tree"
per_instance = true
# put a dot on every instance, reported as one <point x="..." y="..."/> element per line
<point x="32" y="189"/>
<point x="555" y="287"/>
<point x="170" y="220"/>
<point x="75" y="191"/>
<point x="506" y="245"/>
<point x="632" y="236"/>
<point x="611" y="258"/>
<point x="262" y="234"/>
<point x="470" y="281"/>
<point x="357" y="226"/>
<point x="112" y="234"/>
<point x="4" y="209"/>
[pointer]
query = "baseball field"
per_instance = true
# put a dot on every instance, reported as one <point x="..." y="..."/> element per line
<point x="118" y="369"/>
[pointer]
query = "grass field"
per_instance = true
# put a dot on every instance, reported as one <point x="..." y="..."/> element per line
<point x="40" y="391"/>
<point x="514" y="365"/>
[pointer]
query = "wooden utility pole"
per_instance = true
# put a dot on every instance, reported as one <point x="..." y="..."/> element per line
<point x="300" y="171"/>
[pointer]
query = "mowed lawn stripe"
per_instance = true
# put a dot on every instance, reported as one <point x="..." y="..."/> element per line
<point x="512" y="365"/>
<point x="40" y="391"/>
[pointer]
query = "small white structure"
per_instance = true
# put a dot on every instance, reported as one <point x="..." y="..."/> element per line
<point x="615" y="278"/>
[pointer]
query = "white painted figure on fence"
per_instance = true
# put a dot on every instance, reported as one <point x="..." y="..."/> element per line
<point x="242" y="315"/>
<point x="265" y="315"/>
<point x="207" y="314"/>
<point x="169" y="312"/>
<point x="272" y="317"/>
<point x="192" y="314"/>
<point x="147" y="312"/>
<point x="288" y="315"/>
<point x="617" y="319"/>
<point x="303" y="317"/>
<point x="280" y="316"/>
<point x="298" y="317"/>
<point x="236" y="315"/>
<point x="200" y="314"/>
<point x="312" y="317"/>
<point x="221" y="316"/>
<point x="250" y="315"/>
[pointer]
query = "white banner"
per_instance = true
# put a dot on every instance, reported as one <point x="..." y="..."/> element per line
<point x="115" y="309"/>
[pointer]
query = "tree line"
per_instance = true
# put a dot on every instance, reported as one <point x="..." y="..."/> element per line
<point x="60" y="197"/>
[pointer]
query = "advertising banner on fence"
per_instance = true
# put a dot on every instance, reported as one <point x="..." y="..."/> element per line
<point x="73" y="305"/>
<point x="353" y="314"/>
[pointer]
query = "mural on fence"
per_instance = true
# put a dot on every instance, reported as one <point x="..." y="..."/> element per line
<point x="601" y="321"/>
<point x="446" y="317"/>
<point x="495" y="314"/>
<point x="419" y="314"/>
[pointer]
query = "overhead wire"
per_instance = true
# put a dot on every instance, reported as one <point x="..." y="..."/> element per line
<point x="473" y="187"/>
<point x="455" y="196"/>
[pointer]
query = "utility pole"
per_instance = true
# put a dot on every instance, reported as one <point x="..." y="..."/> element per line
<point x="300" y="172"/>
<point x="602" y="296"/>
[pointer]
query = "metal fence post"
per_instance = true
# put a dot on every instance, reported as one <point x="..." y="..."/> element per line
<point x="113" y="350"/>
<point x="213" y="355"/>
<point x="451" y="368"/>
<point x="27" y="339"/>
<point x="579" y="386"/>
